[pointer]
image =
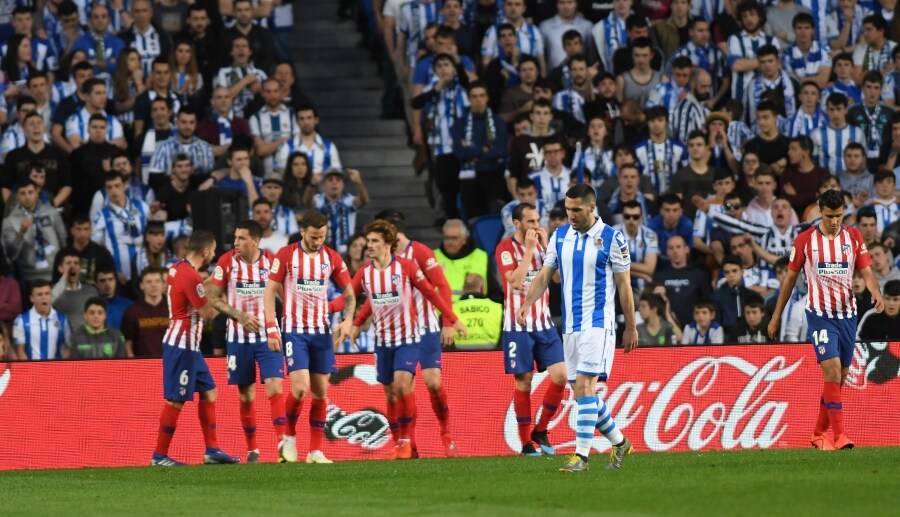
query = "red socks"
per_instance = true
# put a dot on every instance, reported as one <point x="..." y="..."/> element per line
<point x="522" y="405"/>
<point x="441" y="410"/>
<point x="392" y="420"/>
<point x="207" y="412"/>
<point x="407" y="411"/>
<point x="552" y="398"/>
<point x="167" y="421"/>
<point x="292" y="408"/>
<point x="835" y="408"/>
<point x="317" y="415"/>
<point x="822" y="420"/>
<point x="277" y="407"/>
<point x="248" y="422"/>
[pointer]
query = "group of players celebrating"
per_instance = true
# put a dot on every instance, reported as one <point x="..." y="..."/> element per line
<point x="405" y="290"/>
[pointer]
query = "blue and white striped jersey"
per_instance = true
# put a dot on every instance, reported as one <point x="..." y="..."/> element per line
<point x="271" y="126"/>
<point x="586" y="263"/>
<point x="886" y="212"/>
<point x="804" y="66"/>
<point x="644" y="243"/>
<point x="148" y="46"/>
<point x="782" y="86"/>
<point x="830" y="143"/>
<point x="284" y="220"/>
<point x="43" y="337"/>
<point x="451" y="104"/>
<point x="121" y="231"/>
<point x="688" y="116"/>
<point x="660" y="161"/>
<point x="805" y="124"/>
<point x="341" y="216"/>
<point x="77" y="126"/>
<point x="43" y="56"/>
<point x="870" y="58"/>
<point x="551" y="189"/>
<point x="667" y="95"/>
<point x="230" y="75"/>
<point x="709" y="58"/>
<point x="609" y="35"/>
<point x="322" y="154"/>
<point x="819" y="10"/>
<point x="744" y="46"/>
<point x="529" y="38"/>
<point x="571" y="102"/>
<point x="849" y="89"/>
<point x="691" y="335"/>
<point x="199" y="150"/>
<point x="414" y="17"/>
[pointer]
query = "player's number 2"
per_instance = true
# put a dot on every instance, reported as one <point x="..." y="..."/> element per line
<point x="512" y="349"/>
<point x="820" y="337"/>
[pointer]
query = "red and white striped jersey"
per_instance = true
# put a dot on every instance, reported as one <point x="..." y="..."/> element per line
<point x="185" y="294"/>
<point x="244" y="285"/>
<point x="305" y="280"/>
<point x="424" y="257"/>
<point x="391" y="302"/>
<point x="829" y="265"/>
<point x="509" y="254"/>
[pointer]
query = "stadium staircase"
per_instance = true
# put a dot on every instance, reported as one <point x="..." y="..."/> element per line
<point x="341" y="79"/>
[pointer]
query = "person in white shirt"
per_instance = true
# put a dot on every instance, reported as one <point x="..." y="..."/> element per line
<point x="322" y="153"/>
<point x="262" y="214"/>
<point x="242" y="79"/>
<point x="553" y="180"/>
<point x="530" y="40"/>
<point x="567" y="18"/>
<point x="272" y="125"/>
<point x="94" y="91"/>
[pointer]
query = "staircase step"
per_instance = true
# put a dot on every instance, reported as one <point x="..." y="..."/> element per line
<point x="386" y="160"/>
<point x="332" y="54"/>
<point x="347" y="85"/>
<point x="338" y="36"/>
<point x="351" y="112"/>
<point x="315" y="10"/>
<point x="399" y="203"/>
<point x="349" y="69"/>
<point x="397" y="173"/>
<point x="337" y="128"/>
<point x="373" y="142"/>
<point x="327" y="23"/>
<point x="325" y="97"/>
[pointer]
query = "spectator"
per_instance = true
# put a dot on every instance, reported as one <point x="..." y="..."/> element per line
<point x="187" y="142"/>
<point x="867" y="224"/>
<point x="99" y="39"/>
<point x="887" y="209"/>
<point x="874" y="52"/>
<point x="769" y="145"/>
<point x="238" y="175"/>
<point x="145" y="322"/>
<point x="856" y="178"/>
<point x="628" y="182"/>
<point x="809" y="115"/>
<point x="262" y="214"/>
<point x="554" y="179"/>
<point x="68" y="99"/>
<point x="531" y="41"/>
<point x="830" y="139"/>
<point x="595" y="160"/>
<point x="107" y="285"/>
<point x="742" y="47"/>
<point x="144" y="37"/>
<point x="636" y="83"/>
<point x="518" y="99"/>
<point x="883" y="264"/>
<point x="242" y="78"/>
<point x="298" y="186"/>
<point x="459" y="257"/>
<point x="659" y="156"/>
<point x="160" y="129"/>
<point x="92" y="256"/>
<point x="607" y="33"/>
<point x="187" y="81"/>
<point x="500" y="73"/>
<point x="638" y="28"/>
<point x="655" y="330"/>
<point x="526" y="192"/>
<point x="42" y="332"/>
<point x="120" y="224"/>
<point x="560" y="77"/>
<point x="18" y="164"/>
<point x="260" y="43"/>
<point x="69" y="294"/>
<point x="152" y="253"/>
<point x="671" y="32"/>
<point x="464" y="37"/>
<point x="802" y="176"/>
<point x="668" y="93"/>
<point x="126" y="85"/>
<point x="875" y="326"/>
<point x="684" y="282"/>
<point x="708" y="57"/>
<point x="174" y="196"/>
<point x="555" y="29"/>
<point x="483" y="316"/>
<point x="92" y="339"/>
<point x="340" y="207"/>
<point x="221" y="126"/>
<point x="204" y="38"/>
<point x="135" y="190"/>
<point x="33" y="233"/>
<point x="671" y="222"/>
<point x="322" y="153"/>
<point x="272" y="125"/>
<point x="730" y="296"/>
<point x="690" y="112"/>
<point x="577" y="98"/>
<point x="284" y="217"/>
<point x="643" y="245"/>
<point x="759" y="209"/>
<point x="92" y="161"/>
<point x="479" y="142"/>
<point x="14" y="136"/>
<point x="78" y="125"/>
<point x="757" y="277"/>
<point x="750" y="328"/>
<point x="526" y="151"/>
<point x="160" y="88"/>
<point x="874" y="118"/>
<point x="704" y="329"/>
<point x="698" y="176"/>
<point x="770" y="82"/>
<point x="843" y="80"/>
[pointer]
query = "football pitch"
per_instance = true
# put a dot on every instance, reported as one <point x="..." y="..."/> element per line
<point x="777" y="482"/>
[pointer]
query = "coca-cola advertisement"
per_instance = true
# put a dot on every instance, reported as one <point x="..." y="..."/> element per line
<point x="105" y="413"/>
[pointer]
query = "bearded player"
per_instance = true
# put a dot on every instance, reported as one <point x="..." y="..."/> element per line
<point x="519" y="259"/>
<point x="389" y="282"/>
<point x="184" y="369"/>
<point x="430" y="323"/>
<point x="828" y="253"/>
<point x="241" y="275"/>
<point x="300" y="275"/>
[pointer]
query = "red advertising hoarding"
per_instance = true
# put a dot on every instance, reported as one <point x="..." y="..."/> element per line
<point x="105" y="413"/>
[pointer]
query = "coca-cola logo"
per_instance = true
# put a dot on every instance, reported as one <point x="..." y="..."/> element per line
<point x="719" y="402"/>
<point x="367" y="427"/>
<point x="4" y="377"/>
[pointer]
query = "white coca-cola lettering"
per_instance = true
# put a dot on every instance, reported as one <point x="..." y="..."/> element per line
<point x="4" y="379"/>
<point x="365" y="428"/>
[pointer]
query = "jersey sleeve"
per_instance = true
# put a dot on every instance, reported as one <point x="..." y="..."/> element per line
<point x="222" y="271"/>
<point x="550" y="257"/>
<point x="433" y="271"/>
<point x="863" y="259"/>
<point x="279" y="265"/>
<point x="418" y="280"/>
<point x="189" y="280"/>
<point x="798" y="256"/>
<point x="505" y="260"/>
<point x="340" y="275"/>
<point x="619" y="256"/>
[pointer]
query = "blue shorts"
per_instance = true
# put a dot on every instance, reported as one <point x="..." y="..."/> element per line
<point x="832" y="337"/>
<point x="389" y="359"/>
<point x="313" y="352"/>
<point x="243" y="358"/>
<point x="184" y="373"/>
<point x="522" y="349"/>
<point x="430" y="350"/>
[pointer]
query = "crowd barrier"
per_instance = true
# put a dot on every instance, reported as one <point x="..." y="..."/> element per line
<point x="105" y="413"/>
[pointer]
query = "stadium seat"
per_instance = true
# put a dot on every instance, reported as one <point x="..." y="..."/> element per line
<point x="487" y="230"/>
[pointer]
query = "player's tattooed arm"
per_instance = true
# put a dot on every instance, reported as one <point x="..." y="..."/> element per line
<point x="218" y="302"/>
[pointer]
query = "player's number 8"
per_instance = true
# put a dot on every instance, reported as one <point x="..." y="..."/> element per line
<point x="184" y="378"/>
<point x="288" y="349"/>
<point x="512" y="349"/>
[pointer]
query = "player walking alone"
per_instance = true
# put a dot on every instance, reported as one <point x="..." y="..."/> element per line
<point x="184" y="369"/>
<point x="389" y="283"/>
<point x="300" y="274"/>
<point x="519" y="258"/>
<point x="593" y="262"/>
<point x="828" y="253"/>
<point x="240" y="275"/>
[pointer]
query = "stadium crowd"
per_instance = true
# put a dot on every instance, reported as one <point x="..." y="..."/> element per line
<point x="706" y="128"/>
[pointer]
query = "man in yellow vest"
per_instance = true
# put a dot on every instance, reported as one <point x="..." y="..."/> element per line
<point x="483" y="316"/>
<point x="459" y="256"/>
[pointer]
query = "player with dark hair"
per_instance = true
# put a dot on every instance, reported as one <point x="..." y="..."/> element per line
<point x="300" y="274"/>
<point x="828" y="253"/>
<point x="184" y="369"/>
<point x="236" y="290"/>
<point x="389" y="282"/>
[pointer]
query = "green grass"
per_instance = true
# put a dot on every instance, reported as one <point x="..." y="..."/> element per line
<point x="756" y="483"/>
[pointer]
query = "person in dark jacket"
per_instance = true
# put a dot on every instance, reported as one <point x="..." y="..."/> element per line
<point x="731" y="295"/>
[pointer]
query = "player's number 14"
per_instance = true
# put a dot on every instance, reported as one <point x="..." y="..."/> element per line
<point x="820" y="337"/>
